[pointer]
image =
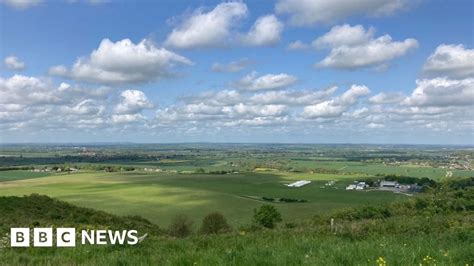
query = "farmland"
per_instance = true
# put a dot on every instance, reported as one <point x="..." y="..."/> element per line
<point x="159" y="182"/>
<point x="147" y="186"/>
<point x="159" y="197"/>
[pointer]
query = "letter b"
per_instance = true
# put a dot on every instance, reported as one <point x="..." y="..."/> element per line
<point x="20" y="237"/>
<point x="43" y="237"/>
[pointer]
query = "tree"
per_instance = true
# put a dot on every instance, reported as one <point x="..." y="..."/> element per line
<point x="266" y="216"/>
<point x="214" y="223"/>
<point x="181" y="226"/>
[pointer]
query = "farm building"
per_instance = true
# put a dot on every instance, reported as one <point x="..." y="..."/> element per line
<point x="351" y="187"/>
<point x="357" y="186"/>
<point x="388" y="184"/>
<point x="299" y="183"/>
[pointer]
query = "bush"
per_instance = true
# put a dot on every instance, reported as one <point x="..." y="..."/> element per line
<point x="266" y="216"/>
<point x="214" y="223"/>
<point x="181" y="226"/>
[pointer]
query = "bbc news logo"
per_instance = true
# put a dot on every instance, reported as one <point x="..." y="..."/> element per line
<point x="66" y="237"/>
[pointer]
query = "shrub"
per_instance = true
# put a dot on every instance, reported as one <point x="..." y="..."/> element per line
<point x="181" y="226"/>
<point x="266" y="216"/>
<point x="214" y="223"/>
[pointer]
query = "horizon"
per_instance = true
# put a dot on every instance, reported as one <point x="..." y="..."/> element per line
<point x="104" y="143"/>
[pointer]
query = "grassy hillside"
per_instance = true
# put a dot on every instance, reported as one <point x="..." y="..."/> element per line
<point x="434" y="228"/>
<point x="42" y="211"/>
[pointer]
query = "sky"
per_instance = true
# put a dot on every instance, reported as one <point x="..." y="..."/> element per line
<point x="290" y="71"/>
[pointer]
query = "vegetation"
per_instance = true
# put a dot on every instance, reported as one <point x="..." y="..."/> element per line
<point x="181" y="226"/>
<point x="249" y="215"/>
<point x="42" y="211"/>
<point x="214" y="223"/>
<point x="432" y="228"/>
<point x="266" y="216"/>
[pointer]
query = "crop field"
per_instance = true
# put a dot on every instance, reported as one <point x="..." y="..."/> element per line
<point x="161" y="196"/>
<point x="121" y="185"/>
<point x="379" y="168"/>
<point x="159" y="182"/>
<point x="19" y="175"/>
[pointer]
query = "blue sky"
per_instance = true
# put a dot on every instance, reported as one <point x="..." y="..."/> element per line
<point x="179" y="71"/>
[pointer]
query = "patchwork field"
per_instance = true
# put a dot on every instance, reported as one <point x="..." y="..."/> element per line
<point x="161" y="196"/>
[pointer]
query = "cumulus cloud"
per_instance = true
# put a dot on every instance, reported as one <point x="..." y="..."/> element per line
<point x="344" y="35"/>
<point x="207" y="29"/>
<point x="133" y="101"/>
<point x="452" y="61"/>
<point x="35" y="104"/>
<point x="85" y="107"/>
<point x="354" y="47"/>
<point x="253" y="82"/>
<point x="293" y="98"/>
<point x="336" y="106"/>
<point x="254" y="110"/>
<point x="14" y="63"/>
<point x="309" y="12"/>
<point x="387" y="98"/>
<point x="26" y="90"/>
<point x="232" y="67"/>
<point x="126" y="118"/>
<point x="442" y="92"/>
<point x="123" y="62"/>
<point x="297" y="45"/>
<point x="266" y="31"/>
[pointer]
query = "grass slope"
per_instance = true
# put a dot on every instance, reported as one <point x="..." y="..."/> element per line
<point x="432" y="229"/>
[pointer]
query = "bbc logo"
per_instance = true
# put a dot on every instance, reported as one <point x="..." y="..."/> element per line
<point x="42" y="237"/>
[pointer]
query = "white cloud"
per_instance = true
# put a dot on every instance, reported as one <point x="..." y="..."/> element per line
<point x="266" y="31"/>
<point x="293" y="98"/>
<point x="255" y="110"/>
<point x="310" y="12"/>
<point x="127" y="118"/>
<point x="207" y="29"/>
<point x="387" y="98"/>
<point x="325" y="109"/>
<point x="123" y="62"/>
<point x="442" y="92"/>
<point x="21" y="4"/>
<point x="375" y="125"/>
<point x="252" y="82"/>
<point x="344" y="35"/>
<point x="28" y="91"/>
<point x="232" y="67"/>
<point x="297" y="45"/>
<point x="336" y="106"/>
<point x="354" y="47"/>
<point x="85" y="107"/>
<point x="355" y="92"/>
<point x="13" y="63"/>
<point x="133" y="101"/>
<point x="453" y="61"/>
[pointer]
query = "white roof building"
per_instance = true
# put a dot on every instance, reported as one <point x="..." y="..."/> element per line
<point x="299" y="183"/>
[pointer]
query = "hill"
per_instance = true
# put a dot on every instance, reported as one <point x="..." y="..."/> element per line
<point x="434" y="228"/>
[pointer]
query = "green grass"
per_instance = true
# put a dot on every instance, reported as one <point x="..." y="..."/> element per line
<point x="266" y="248"/>
<point x="20" y="174"/>
<point x="437" y="232"/>
<point x="159" y="197"/>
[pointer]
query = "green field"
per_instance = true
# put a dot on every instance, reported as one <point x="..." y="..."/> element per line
<point x="161" y="196"/>
<point x="19" y="175"/>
